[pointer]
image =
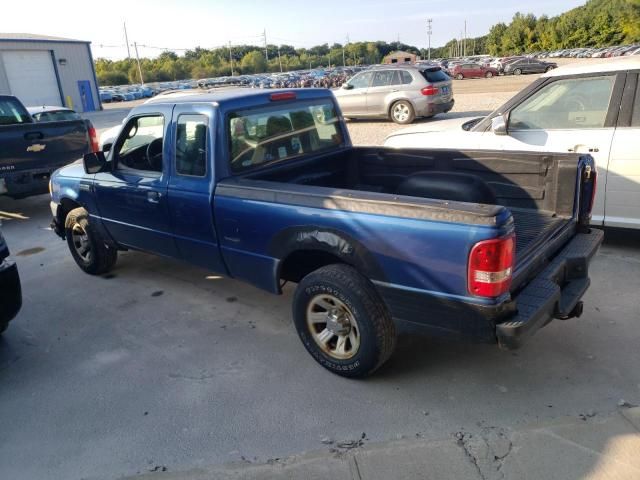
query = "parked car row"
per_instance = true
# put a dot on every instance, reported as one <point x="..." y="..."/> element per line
<point x="590" y="52"/>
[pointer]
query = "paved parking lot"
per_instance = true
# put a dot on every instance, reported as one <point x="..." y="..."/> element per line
<point x="160" y="365"/>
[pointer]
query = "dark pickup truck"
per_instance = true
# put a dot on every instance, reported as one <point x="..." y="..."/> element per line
<point x="10" y="290"/>
<point x="266" y="187"/>
<point x="30" y="152"/>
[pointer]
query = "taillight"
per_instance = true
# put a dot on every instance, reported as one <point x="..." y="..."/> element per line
<point x="491" y="267"/>
<point x="430" y="90"/>
<point x="274" y="97"/>
<point x="93" y="139"/>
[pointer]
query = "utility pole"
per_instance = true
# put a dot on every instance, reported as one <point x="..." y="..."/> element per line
<point x="279" y="60"/>
<point x="429" y="32"/>
<point x="135" y="46"/>
<point x="266" y="51"/>
<point x="344" y="61"/>
<point x="465" y="38"/>
<point x="126" y="40"/>
<point x="230" y="58"/>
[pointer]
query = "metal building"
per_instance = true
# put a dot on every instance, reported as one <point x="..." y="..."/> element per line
<point x="43" y="70"/>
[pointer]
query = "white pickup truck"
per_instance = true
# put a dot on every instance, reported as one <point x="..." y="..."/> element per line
<point x="584" y="108"/>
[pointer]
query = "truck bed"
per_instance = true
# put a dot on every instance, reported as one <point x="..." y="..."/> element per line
<point x="526" y="183"/>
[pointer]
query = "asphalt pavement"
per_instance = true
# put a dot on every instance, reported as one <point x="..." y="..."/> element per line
<point x="163" y="366"/>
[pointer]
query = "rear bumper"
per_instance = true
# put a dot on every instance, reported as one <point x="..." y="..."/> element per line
<point x="430" y="109"/>
<point x="10" y="291"/>
<point x="24" y="184"/>
<point x="554" y="293"/>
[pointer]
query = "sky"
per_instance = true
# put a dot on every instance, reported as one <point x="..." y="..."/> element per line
<point x="178" y="25"/>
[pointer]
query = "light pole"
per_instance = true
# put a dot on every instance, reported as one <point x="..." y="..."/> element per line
<point x="429" y="32"/>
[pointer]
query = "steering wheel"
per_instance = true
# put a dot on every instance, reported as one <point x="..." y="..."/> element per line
<point x="154" y="154"/>
<point x="575" y="104"/>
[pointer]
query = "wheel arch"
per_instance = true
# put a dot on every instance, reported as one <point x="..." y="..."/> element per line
<point x="302" y="250"/>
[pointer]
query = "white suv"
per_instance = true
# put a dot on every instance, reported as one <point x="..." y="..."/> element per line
<point x="592" y="109"/>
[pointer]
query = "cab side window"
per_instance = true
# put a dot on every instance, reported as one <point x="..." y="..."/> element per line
<point x="140" y="145"/>
<point x="191" y="145"/>
<point x="574" y="103"/>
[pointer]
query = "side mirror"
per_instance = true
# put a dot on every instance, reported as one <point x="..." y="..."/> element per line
<point x="94" y="162"/>
<point x="347" y="86"/>
<point x="499" y="125"/>
<point x="107" y="146"/>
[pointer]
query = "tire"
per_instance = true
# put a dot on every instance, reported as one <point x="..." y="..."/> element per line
<point x="548" y="69"/>
<point x="402" y="112"/>
<point x="459" y="76"/>
<point x="488" y="74"/>
<point x="87" y="247"/>
<point x="342" y="321"/>
<point x="517" y="71"/>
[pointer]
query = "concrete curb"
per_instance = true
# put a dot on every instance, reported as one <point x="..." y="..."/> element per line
<point x="592" y="447"/>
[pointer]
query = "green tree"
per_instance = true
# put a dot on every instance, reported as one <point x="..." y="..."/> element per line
<point x="253" y="62"/>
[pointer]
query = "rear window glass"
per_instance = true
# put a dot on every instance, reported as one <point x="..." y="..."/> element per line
<point x="279" y="132"/>
<point x="434" y="76"/>
<point x="11" y="112"/>
<point x="56" y="116"/>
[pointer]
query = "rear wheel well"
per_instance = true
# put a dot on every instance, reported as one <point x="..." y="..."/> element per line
<point x="300" y="263"/>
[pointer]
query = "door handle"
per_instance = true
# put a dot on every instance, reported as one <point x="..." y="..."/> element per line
<point x="395" y="90"/>
<point x="154" y="197"/>
<point x="33" y="136"/>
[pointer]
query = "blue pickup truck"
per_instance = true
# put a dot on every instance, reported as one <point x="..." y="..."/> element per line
<point x="266" y="187"/>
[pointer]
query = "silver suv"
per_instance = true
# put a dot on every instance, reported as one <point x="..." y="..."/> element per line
<point x="401" y="93"/>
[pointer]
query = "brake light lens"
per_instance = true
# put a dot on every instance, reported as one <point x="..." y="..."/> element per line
<point x="491" y="267"/>
<point x="430" y="90"/>
<point x="280" y="96"/>
<point x="93" y="139"/>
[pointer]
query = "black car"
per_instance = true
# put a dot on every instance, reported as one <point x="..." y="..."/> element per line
<point x="528" y="65"/>
<point x="10" y="291"/>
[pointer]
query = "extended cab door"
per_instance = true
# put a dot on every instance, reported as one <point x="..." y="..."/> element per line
<point x="622" y="207"/>
<point x="570" y="114"/>
<point x="132" y="197"/>
<point x="191" y="186"/>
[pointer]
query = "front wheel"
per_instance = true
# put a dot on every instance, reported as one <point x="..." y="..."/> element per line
<point x="488" y="74"/>
<point x="342" y="321"/>
<point x="517" y="71"/>
<point x="402" y="112"/>
<point x="87" y="247"/>
<point x="459" y="76"/>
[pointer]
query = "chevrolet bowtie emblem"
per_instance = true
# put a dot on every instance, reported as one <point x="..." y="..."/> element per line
<point x="36" y="147"/>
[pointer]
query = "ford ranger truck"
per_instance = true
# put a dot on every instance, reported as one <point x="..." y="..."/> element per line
<point x="265" y="187"/>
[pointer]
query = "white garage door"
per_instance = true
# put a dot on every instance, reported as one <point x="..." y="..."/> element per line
<point x="31" y="77"/>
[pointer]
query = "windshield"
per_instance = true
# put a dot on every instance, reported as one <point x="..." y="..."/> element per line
<point x="276" y="133"/>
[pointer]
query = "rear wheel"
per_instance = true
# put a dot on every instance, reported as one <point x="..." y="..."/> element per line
<point x="87" y="247"/>
<point x="342" y="321"/>
<point x="517" y="71"/>
<point x="402" y="112"/>
<point x="488" y="74"/>
<point x="459" y="76"/>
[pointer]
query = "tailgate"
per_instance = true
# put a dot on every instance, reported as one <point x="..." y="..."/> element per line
<point x="39" y="146"/>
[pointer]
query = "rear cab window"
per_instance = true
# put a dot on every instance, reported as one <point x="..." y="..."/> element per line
<point x="277" y="133"/>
